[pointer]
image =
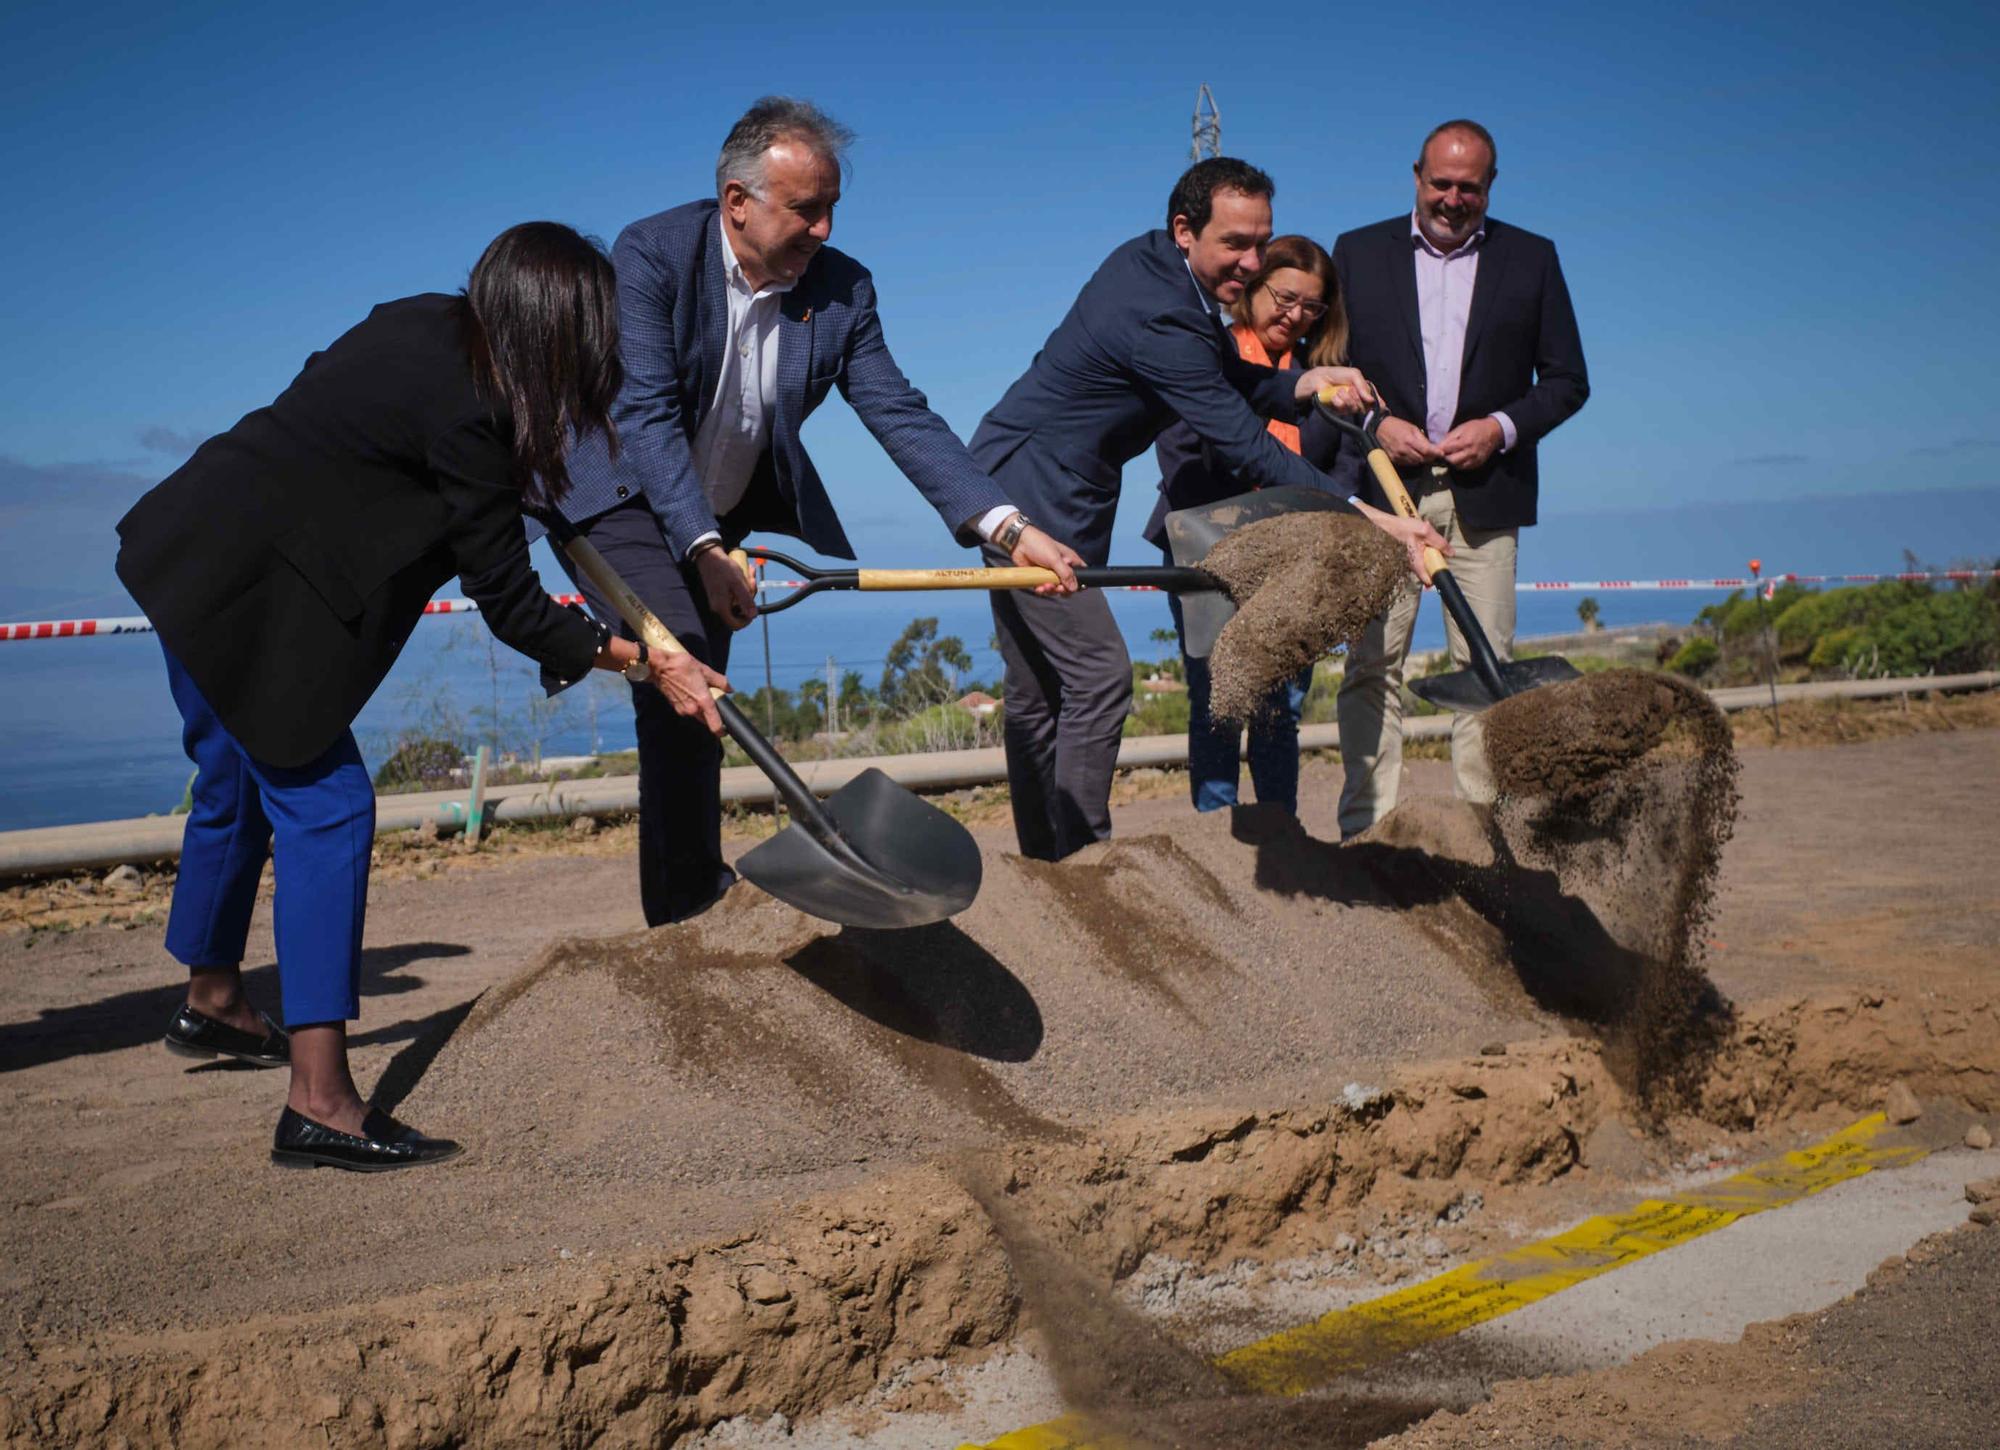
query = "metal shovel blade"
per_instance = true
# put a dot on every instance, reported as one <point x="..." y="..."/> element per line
<point x="914" y="864"/>
<point x="1462" y="689"/>
<point x="1192" y="532"/>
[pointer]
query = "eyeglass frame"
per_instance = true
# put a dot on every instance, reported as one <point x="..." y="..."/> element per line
<point x="1308" y="311"/>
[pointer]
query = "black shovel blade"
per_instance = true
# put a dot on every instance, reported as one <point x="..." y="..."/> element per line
<point x="916" y="864"/>
<point x="1462" y="690"/>
<point x="1192" y="532"/>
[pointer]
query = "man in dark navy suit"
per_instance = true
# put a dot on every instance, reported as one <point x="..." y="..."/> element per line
<point x="1144" y="344"/>
<point x="1465" y="324"/>
<point x="736" y="321"/>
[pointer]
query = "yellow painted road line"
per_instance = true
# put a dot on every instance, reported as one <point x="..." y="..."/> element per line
<point x="1296" y="1360"/>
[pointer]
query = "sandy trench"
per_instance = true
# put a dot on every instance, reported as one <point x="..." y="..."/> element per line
<point x="750" y="1166"/>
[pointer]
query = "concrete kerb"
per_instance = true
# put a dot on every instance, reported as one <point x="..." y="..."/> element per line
<point x="151" y="839"/>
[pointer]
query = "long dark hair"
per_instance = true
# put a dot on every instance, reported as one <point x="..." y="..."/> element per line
<point x="542" y="336"/>
<point x="1325" y="342"/>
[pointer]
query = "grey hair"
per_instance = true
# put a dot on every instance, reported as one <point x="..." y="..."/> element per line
<point x="770" y="120"/>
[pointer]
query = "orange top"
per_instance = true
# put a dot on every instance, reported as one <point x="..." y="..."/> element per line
<point x="1252" y="349"/>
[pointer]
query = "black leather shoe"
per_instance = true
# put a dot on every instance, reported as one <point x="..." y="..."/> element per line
<point x="192" y="1035"/>
<point x="384" y="1144"/>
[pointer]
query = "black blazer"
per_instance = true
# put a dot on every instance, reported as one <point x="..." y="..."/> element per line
<point x="1523" y="356"/>
<point x="1140" y="349"/>
<point x="1193" y="474"/>
<point x="286" y="563"/>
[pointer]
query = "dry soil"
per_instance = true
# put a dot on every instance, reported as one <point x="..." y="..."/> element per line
<point x="751" y="1165"/>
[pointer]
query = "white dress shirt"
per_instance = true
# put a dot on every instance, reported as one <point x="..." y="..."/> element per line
<point x="737" y="430"/>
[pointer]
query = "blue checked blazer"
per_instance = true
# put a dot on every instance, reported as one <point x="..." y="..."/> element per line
<point x="673" y="314"/>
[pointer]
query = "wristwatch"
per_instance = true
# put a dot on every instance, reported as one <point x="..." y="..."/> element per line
<point x="1009" y="534"/>
<point x="639" y="671"/>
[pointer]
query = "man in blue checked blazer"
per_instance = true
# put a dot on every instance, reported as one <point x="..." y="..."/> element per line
<point x="736" y="322"/>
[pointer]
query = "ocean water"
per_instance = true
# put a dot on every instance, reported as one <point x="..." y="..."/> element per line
<point x="88" y="731"/>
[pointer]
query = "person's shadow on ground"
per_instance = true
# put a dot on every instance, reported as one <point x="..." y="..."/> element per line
<point x="1561" y="954"/>
<point x="132" y="1019"/>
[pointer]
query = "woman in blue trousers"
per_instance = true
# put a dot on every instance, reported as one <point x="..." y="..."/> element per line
<point x="284" y="566"/>
<point x="1291" y="306"/>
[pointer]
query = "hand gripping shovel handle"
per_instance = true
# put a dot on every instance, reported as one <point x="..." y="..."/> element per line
<point x="1485" y="663"/>
<point x="797" y="795"/>
<point x="1176" y="580"/>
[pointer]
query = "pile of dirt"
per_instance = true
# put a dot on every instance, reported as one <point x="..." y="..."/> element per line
<point x="1623" y="784"/>
<point x="1305" y="585"/>
<point x="822" y="1299"/>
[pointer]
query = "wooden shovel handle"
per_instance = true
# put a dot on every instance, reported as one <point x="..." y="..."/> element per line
<point x="1009" y="578"/>
<point x="741" y="559"/>
<point x="630" y="606"/>
<point x="1400" y="500"/>
<point x="1392" y="485"/>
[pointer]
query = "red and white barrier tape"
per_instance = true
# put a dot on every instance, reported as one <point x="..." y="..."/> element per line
<point x="139" y="624"/>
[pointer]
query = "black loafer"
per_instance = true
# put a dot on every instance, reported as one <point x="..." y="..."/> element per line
<point x="383" y="1144"/>
<point x="192" y="1035"/>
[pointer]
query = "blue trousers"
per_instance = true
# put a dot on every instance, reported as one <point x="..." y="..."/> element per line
<point x="1214" y="750"/>
<point x="317" y="821"/>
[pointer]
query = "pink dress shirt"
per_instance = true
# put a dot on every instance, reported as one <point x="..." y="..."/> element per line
<point x="1444" y="303"/>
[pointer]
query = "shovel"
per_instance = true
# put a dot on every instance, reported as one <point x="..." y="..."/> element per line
<point x="1490" y="679"/>
<point x="1191" y="533"/>
<point x="873" y="855"/>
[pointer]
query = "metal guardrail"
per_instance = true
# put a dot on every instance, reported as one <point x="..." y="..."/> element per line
<point x="150" y="839"/>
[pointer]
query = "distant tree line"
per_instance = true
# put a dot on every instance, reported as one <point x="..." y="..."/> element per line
<point x="1862" y="631"/>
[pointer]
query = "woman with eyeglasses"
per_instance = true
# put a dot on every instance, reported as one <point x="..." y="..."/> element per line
<point x="284" y="566"/>
<point x="1290" y="315"/>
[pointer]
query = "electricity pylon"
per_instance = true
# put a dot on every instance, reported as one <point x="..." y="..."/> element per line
<point x="1207" y="126"/>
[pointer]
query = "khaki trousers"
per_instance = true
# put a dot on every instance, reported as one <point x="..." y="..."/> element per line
<point x="1370" y="705"/>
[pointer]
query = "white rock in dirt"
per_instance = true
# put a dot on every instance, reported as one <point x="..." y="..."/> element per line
<point x="1978" y="1138"/>
<point x="1901" y="1104"/>
<point x="1345" y="1243"/>
<point x="583" y="826"/>
<point x="1433" y="1247"/>
<point x="123" y="878"/>
<point x="1360" y="1097"/>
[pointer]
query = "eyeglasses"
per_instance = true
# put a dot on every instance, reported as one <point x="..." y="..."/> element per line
<point x="1286" y="301"/>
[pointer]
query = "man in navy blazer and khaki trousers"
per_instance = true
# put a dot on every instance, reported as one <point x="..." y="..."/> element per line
<point x="1464" y="324"/>
<point x="1144" y="343"/>
<point x="736" y="321"/>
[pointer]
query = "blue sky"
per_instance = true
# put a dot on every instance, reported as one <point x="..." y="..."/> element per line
<point x="1777" y="222"/>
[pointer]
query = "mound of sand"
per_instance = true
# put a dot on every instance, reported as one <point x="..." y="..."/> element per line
<point x="756" y="1043"/>
<point x="759" y="1045"/>
<point x="1305" y="585"/>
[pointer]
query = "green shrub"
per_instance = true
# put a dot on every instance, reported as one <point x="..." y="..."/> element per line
<point x="420" y="762"/>
<point x="940" y="727"/>
<point x="1165" y="714"/>
<point x="1938" y="634"/>
<point x="1816" y="615"/>
<point x="1695" y="658"/>
<point x="1843" y="651"/>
